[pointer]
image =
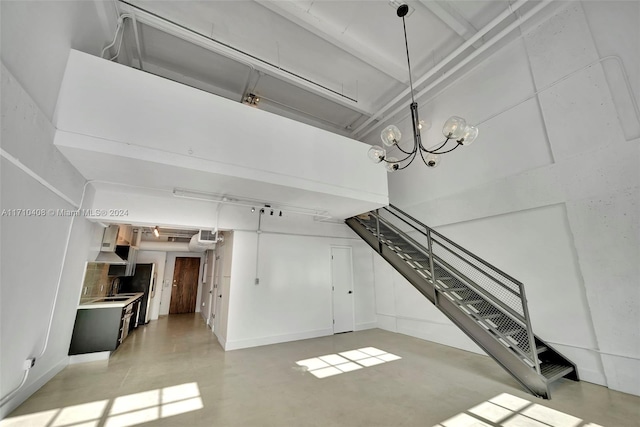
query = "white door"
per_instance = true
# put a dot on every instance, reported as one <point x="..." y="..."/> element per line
<point x="209" y="280"/>
<point x="216" y="291"/>
<point x="342" y="282"/>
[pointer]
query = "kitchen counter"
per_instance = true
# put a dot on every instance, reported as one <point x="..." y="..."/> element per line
<point x="119" y="300"/>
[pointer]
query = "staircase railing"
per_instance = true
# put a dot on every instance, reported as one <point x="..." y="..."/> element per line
<point x="447" y="259"/>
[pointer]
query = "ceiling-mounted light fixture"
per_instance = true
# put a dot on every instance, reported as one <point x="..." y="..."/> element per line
<point x="455" y="129"/>
<point x="251" y="99"/>
<point x="156" y="231"/>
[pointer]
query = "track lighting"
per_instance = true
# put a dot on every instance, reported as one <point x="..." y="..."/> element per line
<point x="253" y="209"/>
<point x="156" y="231"/>
<point x="251" y="99"/>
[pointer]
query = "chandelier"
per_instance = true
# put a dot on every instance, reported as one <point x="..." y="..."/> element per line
<point x="455" y="130"/>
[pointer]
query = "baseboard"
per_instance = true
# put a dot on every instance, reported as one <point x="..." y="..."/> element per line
<point x="622" y="372"/>
<point x="276" y="339"/>
<point x="89" y="357"/>
<point x="387" y="322"/>
<point x="365" y="326"/>
<point x="32" y="387"/>
<point x="594" y="377"/>
<point x="222" y="341"/>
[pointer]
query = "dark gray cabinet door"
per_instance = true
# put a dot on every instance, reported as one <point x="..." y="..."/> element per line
<point x="96" y="329"/>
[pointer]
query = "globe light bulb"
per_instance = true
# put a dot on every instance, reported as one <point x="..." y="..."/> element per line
<point x="390" y="135"/>
<point x="392" y="164"/>
<point x="469" y="135"/>
<point x="432" y="160"/>
<point x="454" y="127"/>
<point x="424" y="124"/>
<point x="376" y="154"/>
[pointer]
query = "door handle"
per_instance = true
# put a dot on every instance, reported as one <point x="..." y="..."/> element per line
<point x="350" y="292"/>
<point x="219" y="296"/>
<point x="175" y="286"/>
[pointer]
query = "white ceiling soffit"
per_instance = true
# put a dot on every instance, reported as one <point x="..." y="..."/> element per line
<point x="337" y="65"/>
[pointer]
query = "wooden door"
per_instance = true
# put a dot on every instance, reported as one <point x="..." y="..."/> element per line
<point x="185" y="285"/>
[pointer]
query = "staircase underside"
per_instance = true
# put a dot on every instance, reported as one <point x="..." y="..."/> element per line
<point x="490" y="326"/>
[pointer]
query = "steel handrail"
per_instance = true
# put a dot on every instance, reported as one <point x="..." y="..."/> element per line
<point x="404" y="235"/>
<point x="479" y="289"/>
<point x="474" y="256"/>
<point x="479" y="270"/>
<point x="430" y="230"/>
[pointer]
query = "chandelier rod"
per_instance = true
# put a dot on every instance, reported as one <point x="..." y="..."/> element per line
<point x="406" y="45"/>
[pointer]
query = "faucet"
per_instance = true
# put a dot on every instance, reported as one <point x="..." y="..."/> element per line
<point x="115" y="286"/>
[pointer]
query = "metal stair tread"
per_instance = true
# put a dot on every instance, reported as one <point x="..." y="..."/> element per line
<point x="414" y="260"/>
<point x="541" y="349"/>
<point x="553" y="371"/>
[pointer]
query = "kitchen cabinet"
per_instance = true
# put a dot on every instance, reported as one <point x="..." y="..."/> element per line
<point x="103" y="324"/>
<point x="125" y="236"/>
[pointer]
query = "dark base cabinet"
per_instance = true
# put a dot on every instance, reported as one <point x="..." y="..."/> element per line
<point x="103" y="329"/>
<point x="96" y="329"/>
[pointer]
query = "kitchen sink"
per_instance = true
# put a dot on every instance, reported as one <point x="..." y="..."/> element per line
<point x="112" y="299"/>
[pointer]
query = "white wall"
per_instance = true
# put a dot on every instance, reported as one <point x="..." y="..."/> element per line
<point x="159" y="259"/>
<point x="293" y="299"/>
<point x="36" y="36"/>
<point x="273" y="155"/>
<point x="206" y="286"/>
<point x="224" y="250"/>
<point x="549" y="192"/>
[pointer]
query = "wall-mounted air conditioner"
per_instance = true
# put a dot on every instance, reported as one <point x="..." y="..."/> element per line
<point x="208" y="236"/>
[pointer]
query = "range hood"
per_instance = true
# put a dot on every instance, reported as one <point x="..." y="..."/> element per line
<point x="110" y="258"/>
<point x="108" y="248"/>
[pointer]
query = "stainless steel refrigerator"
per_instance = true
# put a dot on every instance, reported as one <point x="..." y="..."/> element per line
<point x="144" y="280"/>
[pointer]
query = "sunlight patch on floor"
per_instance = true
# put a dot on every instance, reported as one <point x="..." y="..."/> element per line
<point x="347" y="361"/>
<point x="124" y="411"/>
<point x="506" y="410"/>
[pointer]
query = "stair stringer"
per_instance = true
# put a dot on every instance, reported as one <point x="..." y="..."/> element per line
<point x="521" y="372"/>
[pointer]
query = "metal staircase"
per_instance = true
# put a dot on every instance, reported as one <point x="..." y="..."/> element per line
<point x="486" y="303"/>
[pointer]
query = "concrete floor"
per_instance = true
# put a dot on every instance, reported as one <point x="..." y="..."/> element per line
<point x="173" y="372"/>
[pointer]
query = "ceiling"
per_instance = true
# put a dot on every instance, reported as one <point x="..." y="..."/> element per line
<point x="337" y="65"/>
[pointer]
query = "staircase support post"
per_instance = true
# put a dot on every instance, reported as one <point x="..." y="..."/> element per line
<point x="532" y="338"/>
<point x="431" y="267"/>
<point x="378" y="230"/>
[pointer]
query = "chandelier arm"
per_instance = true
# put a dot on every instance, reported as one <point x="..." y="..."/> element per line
<point x="398" y="161"/>
<point x="410" y="161"/>
<point x="423" y="159"/>
<point x="435" y="149"/>
<point x="449" y="150"/>
<point x="405" y="152"/>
